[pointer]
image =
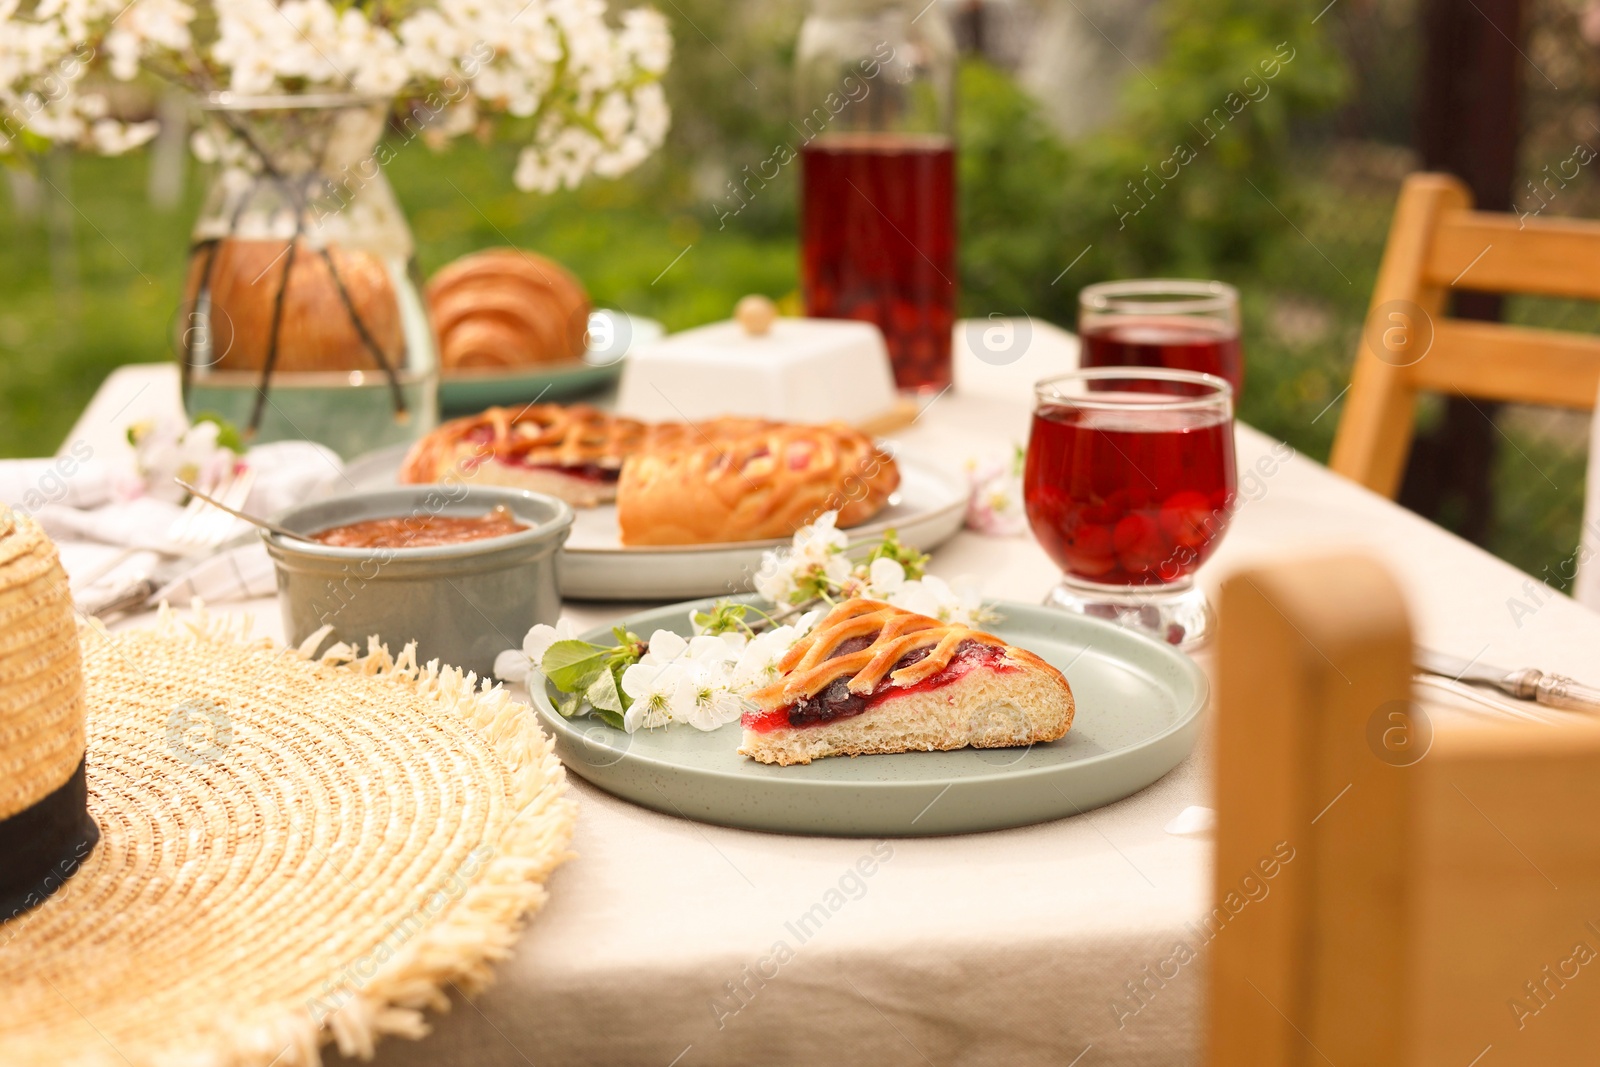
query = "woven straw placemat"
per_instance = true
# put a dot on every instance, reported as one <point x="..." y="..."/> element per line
<point x="293" y="851"/>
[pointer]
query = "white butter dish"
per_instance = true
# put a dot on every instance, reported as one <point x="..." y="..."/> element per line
<point x="799" y="370"/>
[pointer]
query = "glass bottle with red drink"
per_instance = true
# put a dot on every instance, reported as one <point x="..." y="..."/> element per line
<point x="875" y="94"/>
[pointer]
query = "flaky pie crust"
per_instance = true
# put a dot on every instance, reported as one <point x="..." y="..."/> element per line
<point x="808" y="669"/>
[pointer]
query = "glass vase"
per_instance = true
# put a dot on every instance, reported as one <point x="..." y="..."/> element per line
<point x="302" y="314"/>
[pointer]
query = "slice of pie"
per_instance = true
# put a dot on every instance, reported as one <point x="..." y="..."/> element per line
<point x="872" y="678"/>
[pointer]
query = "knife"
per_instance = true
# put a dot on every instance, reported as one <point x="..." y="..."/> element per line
<point x="1551" y="690"/>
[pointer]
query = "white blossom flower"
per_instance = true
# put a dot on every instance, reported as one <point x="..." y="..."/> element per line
<point x="820" y="540"/>
<point x="932" y="596"/>
<point x="651" y="687"/>
<point x="664" y="646"/>
<point x="595" y="85"/>
<point x="758" y="665"/>
<point x="805" y="623"/>
<point x="716" y="648"/>
<point x="816" y="551"/>
<point x="994" y="504"/>
<point x="702" y="698"/>
<point x="775" y="580"/>
<point x="113" y="138"/>
<point x="884" y="577"/>
<point x="518" y="664"/>
<point x="168" y="449"/>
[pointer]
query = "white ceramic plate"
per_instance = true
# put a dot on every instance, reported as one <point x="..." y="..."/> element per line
<point x="1138" y="714"/>
<point x="927" y="509"/>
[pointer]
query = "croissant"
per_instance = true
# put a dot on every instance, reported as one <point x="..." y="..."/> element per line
<point x="504" y="308"/>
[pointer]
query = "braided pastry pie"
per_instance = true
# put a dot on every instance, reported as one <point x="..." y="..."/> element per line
<point x="764" y="483"/>
<point x="872" y="678"/>
<point x="674" y="483"/>
<point x="504" y="308"/>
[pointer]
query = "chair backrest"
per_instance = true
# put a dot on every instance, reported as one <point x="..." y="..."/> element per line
<point x="1437" y="244"/>
<point x="1387" y="894"/>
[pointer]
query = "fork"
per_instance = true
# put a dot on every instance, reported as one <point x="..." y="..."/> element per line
<point x="200" y="529"/>
<point x="203" y="527"/>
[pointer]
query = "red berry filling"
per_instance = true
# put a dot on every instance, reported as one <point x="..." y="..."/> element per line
<point x="837" y="702"/>
<point x="585" y="472"/>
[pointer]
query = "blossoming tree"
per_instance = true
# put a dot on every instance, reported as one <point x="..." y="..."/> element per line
<point x="582" y="94"/>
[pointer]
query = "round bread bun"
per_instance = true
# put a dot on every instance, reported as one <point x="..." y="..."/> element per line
<point x="503" y="308"/>
<point x="315" y="331"/>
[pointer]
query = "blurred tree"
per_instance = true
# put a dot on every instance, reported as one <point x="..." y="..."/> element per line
<point x="1193" y="179"/>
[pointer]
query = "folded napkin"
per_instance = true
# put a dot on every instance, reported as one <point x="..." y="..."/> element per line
<point x="140" y="523"/>
<point x="31" y="484"/>
<point x="1586" y="588"/>
<point x="111" y="543"/>
<point x="233" y="574"/>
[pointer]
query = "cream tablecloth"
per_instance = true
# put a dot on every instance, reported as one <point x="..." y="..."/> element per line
<point x="669" y="942"/>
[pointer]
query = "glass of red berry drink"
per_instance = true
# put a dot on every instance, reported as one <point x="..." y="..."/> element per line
<point x="1129" y="485"/>
<point x="1176" y="323"/>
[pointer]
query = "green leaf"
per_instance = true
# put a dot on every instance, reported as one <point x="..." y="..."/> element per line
<point x="625" y="655"/>
<point x="227" y="433"/>
<point x="891" y="547"/>
<point x="568" y="705"/>
<point x="604" y="693"/>
<point x="611" y="718"/>
<point x="622" y="694"/>
<point x="725" y="617"/>
<point x="572" y="666"/>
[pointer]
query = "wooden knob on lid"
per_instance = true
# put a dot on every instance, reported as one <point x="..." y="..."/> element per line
<point x="756" y="314"/>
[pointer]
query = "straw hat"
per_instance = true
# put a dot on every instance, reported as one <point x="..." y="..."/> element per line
<point x="291" y="850"/>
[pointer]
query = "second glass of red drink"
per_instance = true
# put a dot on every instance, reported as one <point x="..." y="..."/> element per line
<point x="1177" y="323"/>
<point x="1129" y="485"/>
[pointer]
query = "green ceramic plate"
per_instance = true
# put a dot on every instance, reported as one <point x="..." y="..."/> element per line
<point x="613" y="333"/>
<point x="1138" y="709"/>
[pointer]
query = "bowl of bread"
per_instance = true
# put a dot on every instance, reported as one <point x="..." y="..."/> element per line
<point x="513" y="325"/>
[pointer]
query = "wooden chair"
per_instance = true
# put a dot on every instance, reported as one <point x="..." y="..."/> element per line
<point x="1381" y="902"/>
<point x="1437" y="243"/>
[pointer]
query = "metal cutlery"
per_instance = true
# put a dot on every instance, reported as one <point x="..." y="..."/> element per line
<point x="205" y="524"/>
<point x="233" y="509"/>
<point x="206" y="521"/>
<point x="1527" y="683"/>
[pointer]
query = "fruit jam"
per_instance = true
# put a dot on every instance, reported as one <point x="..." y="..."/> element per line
<point x="1174" y="342"/>
<point x="878" y="244"/>
<point x="589" y="472"/>
<point x="837" y="702"/>
<point x="1129" y="497"/>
